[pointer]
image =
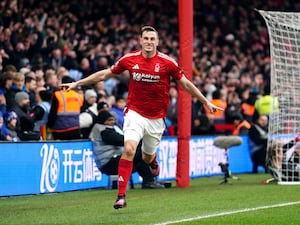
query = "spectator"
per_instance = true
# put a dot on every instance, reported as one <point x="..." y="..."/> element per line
<point x="88" y="118"/>
<point x="64" y="113"/>
<point x="85" y="67"/>
<point x="247" y="106"/>
<point x="203" y="126"/>
<point x="258" y="142"/>
<point x="241" y="125"/>
<point x="233" y="106"/>
<point x="110" y="84"/>
<point x="218" y="100"/>
<point x="62" y="72"/>
<point x="258" y="87"/>
<point x="10" y="119"/>
<point x="40" y="86"/>
<point x="2" y="102"/>
<point x="25" y="118"/>
<point x="100" y="88"/>
<point x="266" y="103"/>
<point x="72" y="65"/>
<point x="90" y="98"/>
<point x="51" y="80"/>
<point x="39" y="72"/>
<point x="108" y="149"/>
<point x="30" y="89"/>
<point x="197" y="108"/>
<point x="224" y="48"/>
<point x="41" y="112"/>
<point x="6" y="82"/>
<point x="56" y="59"/>
<point x="118" y="110"/>
<point x="17" y="86"/>
<point x="3" y="133"/>
<point x="172" y="113"/>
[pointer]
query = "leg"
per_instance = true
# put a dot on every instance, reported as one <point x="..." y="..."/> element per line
<point x="143" y="169"/>
<point x="133" y="132"/>
<point x="124" y="172"/>
<point x="258" y="159"/>
<point x="111" y="167"/>
<point x="125" y="165"/>
<point x="140" y="166"/>
<point x="149" y="153"/>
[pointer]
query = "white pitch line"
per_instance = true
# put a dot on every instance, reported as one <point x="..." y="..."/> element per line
<point x="229" y="213"/>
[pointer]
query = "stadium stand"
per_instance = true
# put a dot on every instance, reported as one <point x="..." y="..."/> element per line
<point x="231" y="53"/>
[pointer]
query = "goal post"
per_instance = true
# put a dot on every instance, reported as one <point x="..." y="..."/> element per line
<point x="284" y="122"/>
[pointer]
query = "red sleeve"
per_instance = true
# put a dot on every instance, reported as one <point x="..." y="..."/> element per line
<point x="177" y="72"/>
<point x="119" y="66"/>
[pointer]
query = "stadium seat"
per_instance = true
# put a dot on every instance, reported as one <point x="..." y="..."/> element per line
<point x="224" y="128"/>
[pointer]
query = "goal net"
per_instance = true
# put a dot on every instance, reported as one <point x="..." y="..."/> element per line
<point x="284" y="123"/>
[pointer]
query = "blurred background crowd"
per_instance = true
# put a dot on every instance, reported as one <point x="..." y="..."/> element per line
<point x="44" y="43"/>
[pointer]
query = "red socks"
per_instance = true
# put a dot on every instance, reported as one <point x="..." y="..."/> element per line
<point x="124" y="172"/>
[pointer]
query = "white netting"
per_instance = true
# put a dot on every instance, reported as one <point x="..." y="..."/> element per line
<point x="284" y="123"/>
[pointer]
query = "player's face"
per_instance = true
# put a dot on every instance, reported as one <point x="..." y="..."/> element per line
<point x="149" y="41"/>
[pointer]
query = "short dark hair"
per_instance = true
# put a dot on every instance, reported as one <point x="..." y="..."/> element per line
<point x="28" y="79"/>
<point x="147" y="29"/>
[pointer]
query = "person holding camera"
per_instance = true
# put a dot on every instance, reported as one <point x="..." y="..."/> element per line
<point x="108" y="147"/>
<point x="281" y="165"/>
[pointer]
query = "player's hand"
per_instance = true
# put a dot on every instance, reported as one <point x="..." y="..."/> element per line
<point x="213" y="108"/>
<point x="68" y="86"/>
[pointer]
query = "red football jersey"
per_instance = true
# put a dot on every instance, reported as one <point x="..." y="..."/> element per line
<point x="148" y="91"/>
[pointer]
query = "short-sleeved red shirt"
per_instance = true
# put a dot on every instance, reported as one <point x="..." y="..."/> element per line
<point x="148" y="91"/>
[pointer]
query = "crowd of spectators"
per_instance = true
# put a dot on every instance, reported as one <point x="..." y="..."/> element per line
<point x="43" y="41"/>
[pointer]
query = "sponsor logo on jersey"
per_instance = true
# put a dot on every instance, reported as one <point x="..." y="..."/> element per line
<point x="136" y="67"/>
<point x="145" y="77"/>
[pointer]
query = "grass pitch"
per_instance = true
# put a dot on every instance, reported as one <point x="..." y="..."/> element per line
<point x="245" y="201"/>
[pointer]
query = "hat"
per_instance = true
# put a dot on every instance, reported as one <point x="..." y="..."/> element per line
<point x="103" y="116"/>
<point x="90" y="93"/>
<point x="102" y="105"/>
<point x="9" y="116"/>
<point x="67" y="79"/>
<point x="45" y="95"/>
<point x="24" y="62"/>
<point x="21" y="96"/>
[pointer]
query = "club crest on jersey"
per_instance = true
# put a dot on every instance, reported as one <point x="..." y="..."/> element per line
<point x="157" y="67"/>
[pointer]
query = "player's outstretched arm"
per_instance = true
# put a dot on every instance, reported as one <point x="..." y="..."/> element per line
<point x="194" y="91"/>
<point x="91" y="79"/>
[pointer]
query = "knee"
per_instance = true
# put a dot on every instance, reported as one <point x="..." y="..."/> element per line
<point x="129" y="151"/>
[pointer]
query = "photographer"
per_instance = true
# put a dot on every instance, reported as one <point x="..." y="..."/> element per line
<point x="281" y="166"/>
<point x="107" y="149"/>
